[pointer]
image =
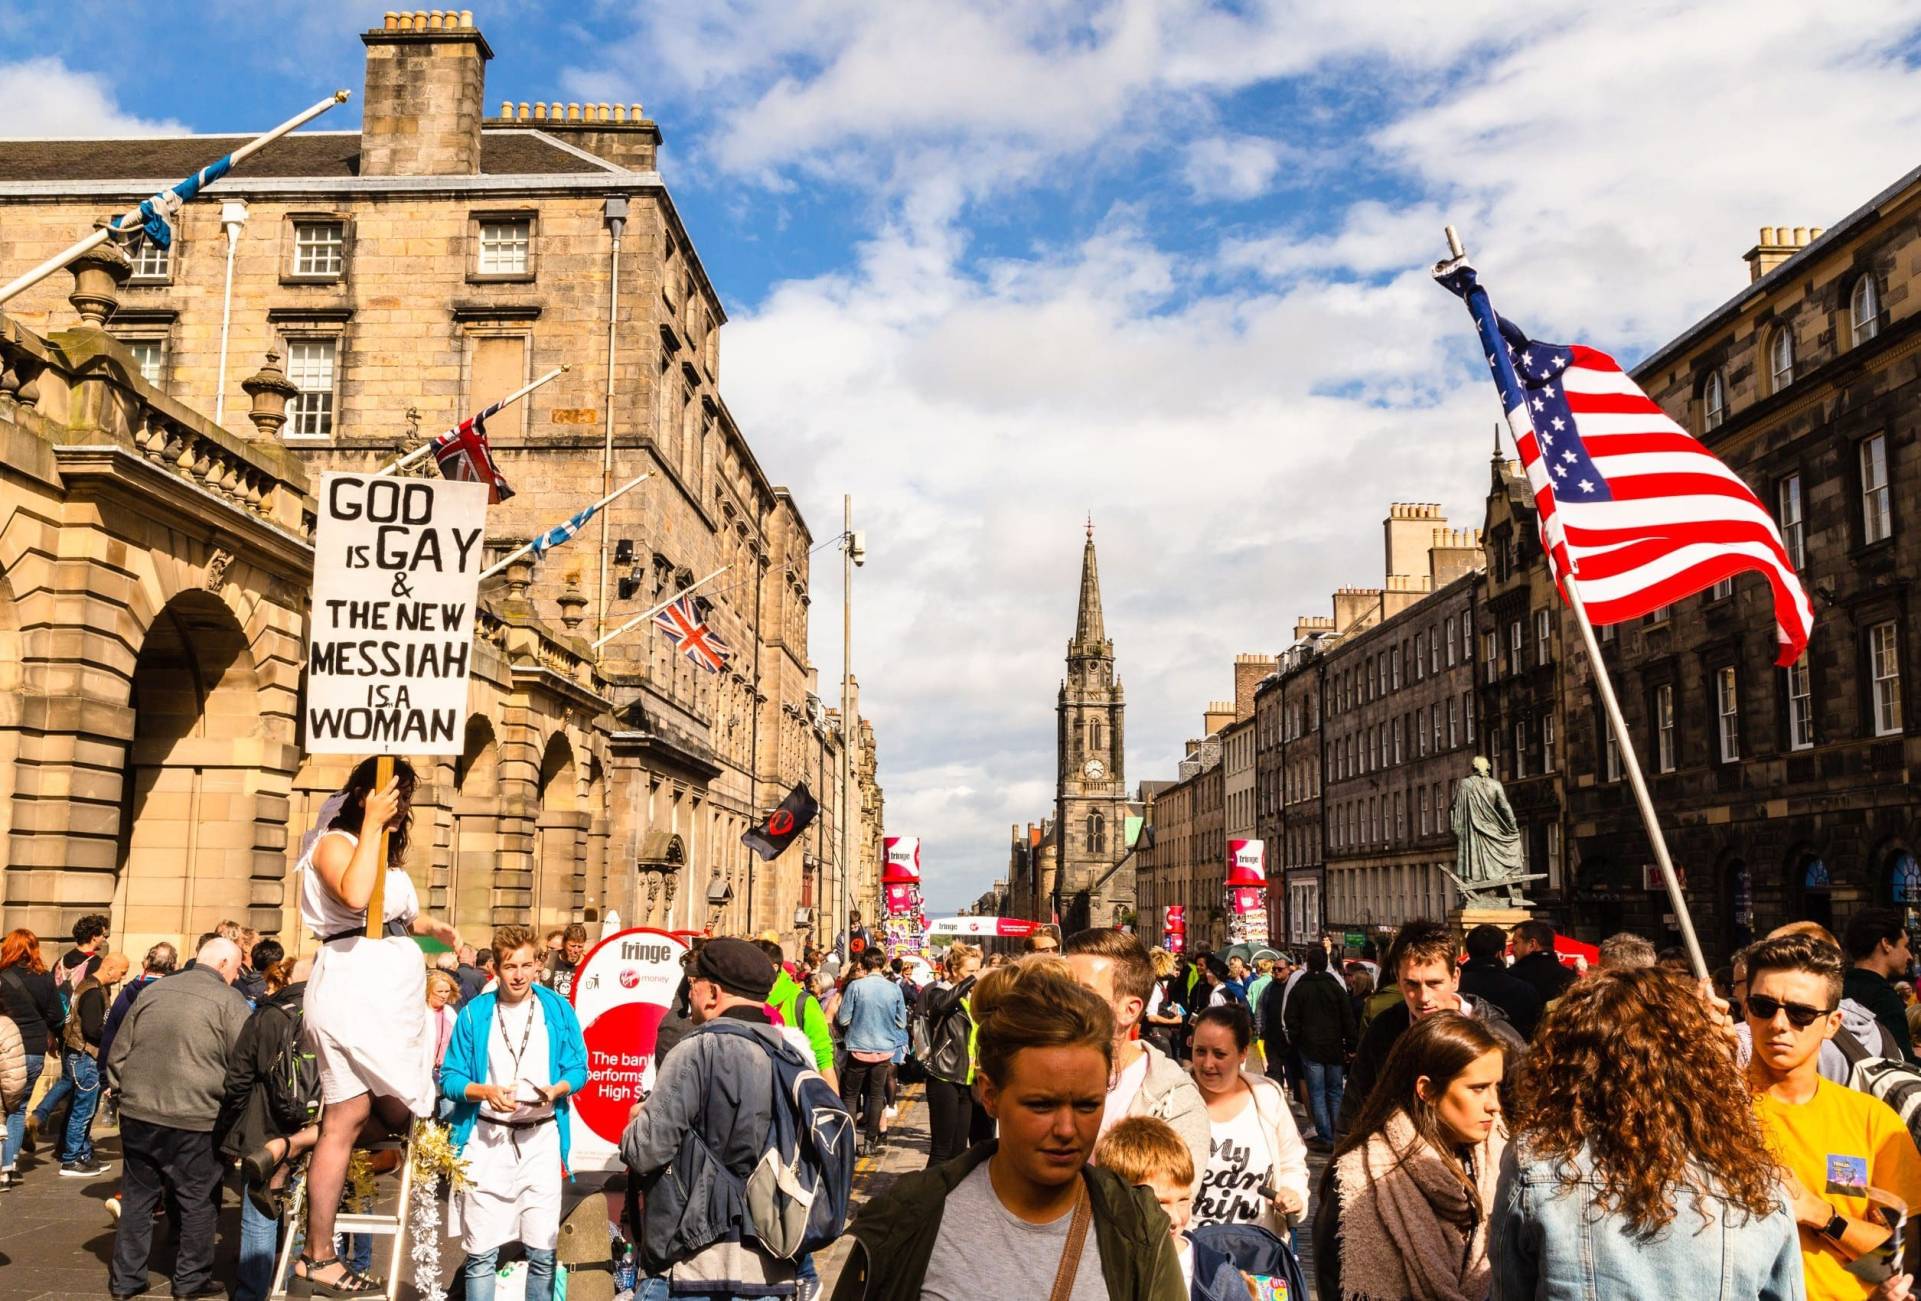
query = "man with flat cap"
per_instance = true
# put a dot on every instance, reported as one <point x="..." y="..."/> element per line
<point x="712" y="1101"/>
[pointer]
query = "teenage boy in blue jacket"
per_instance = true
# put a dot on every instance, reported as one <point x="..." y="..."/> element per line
<point x="515" y="1055"/>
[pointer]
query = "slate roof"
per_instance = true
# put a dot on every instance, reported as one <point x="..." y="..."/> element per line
<point x="301" y="154"/>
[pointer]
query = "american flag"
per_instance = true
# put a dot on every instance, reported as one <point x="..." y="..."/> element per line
<point x="692" y="637"/>
<point x="462" y="453"/>
<point x="1631" y="505"/>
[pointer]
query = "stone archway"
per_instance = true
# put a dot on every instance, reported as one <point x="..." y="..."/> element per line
<point x="190" y="808"/>
<point x="559" y="834"/>
<point x="475" y="834"/>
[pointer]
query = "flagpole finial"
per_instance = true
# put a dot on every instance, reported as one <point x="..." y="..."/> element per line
<point x="1090" y="526"/>
<point x="1454" y="248"/>
<point x="342" y="96"/>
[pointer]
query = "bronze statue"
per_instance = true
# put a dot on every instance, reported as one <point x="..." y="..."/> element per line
<point x="1489" y="857"/>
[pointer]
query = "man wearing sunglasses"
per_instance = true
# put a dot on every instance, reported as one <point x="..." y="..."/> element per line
<point x="1834" y="1142"/>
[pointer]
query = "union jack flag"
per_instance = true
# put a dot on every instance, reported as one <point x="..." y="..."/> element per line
<point x="1631" y="505"/>
<point x="692" y="637"/>
<point x="462" y="454"/>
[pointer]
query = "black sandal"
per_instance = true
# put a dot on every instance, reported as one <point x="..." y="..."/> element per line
<point x="352" y="1282"/>
<point x="258" y="1168"/>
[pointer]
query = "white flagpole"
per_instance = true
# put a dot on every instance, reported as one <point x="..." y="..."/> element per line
<point x="645" y="615"/>
<point x="1609" y="704"/>
<point x="408" y="458"/>
<point x="132" y="216"/>
<point x="518" y="552"/>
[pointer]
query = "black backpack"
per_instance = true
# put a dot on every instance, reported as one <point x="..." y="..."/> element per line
<point x="292" y="1083"/>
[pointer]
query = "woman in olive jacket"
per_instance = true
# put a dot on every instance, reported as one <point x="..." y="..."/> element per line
<point x="1045" y="1046"/>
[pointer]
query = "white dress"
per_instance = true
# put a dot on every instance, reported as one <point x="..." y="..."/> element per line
<point x="366" y="1004"/>
<point x="513" y="1175"/>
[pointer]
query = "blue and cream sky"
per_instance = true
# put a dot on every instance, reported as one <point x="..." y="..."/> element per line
<point x="996" y="264"/>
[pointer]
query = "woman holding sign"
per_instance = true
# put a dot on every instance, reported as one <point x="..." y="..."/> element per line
<point x="366" y="1007"/>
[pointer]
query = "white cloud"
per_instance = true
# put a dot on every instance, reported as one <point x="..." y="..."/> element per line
<point x="46" y="98"/>
<point x="1235" y="409"/>
<point x="1232" y="167"/>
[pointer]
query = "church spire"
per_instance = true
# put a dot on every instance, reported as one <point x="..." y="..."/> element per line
<point x="1090" y="630"/>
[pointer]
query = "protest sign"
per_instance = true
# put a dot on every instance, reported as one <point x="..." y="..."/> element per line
<point x="621" y="994"/>
<point x="396" y="571"/>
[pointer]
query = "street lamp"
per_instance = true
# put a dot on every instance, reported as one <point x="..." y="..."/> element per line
<point x="853" y="548"/>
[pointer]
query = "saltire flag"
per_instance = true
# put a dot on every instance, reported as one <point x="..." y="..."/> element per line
<point x="692" y="637"/>
<point x="560" y="533"/>
<point x="793" y="816"/>
<point x="1631" y="505"/>
<point x="462" y="453"/>
<point x="156" y="214"/>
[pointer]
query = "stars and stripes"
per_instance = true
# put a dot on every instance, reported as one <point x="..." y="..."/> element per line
<point x="463" y="454"/>
<point x="1631" y="505"/>
<point x="692" y="637"/>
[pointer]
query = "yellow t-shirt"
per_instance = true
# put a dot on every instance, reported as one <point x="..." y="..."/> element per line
<point x="1827" y="1141"/>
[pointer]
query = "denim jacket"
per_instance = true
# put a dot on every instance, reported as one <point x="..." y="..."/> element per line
<point x="875" y="1013"/>
<point x="1550" y="1242"/>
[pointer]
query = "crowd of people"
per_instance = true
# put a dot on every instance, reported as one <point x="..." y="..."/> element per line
<point x="1102" y="1119"/>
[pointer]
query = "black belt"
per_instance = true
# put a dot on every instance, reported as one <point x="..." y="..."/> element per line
<point x="516" y="1125"/>
<point x="393" y="927"/>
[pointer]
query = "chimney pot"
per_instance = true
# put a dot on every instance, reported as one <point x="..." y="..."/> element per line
<point x="1800" y="236"/>
<point x="606" y="113"/>
<point x="573" y="111"/>
<point x="1767" y="235"/>
<point x="466" y="18"/>
<point x="1815" y="232"/>
<point x="434" y="19"/>
<point x="521" y="113"/>
<point x="390" y="20"/>
<point x="620" y="112"/>
<point x="540" y="111"/>
<point x="420" y="20"/>
<point x="507" y="110"/>
<point x="635" y="110"/>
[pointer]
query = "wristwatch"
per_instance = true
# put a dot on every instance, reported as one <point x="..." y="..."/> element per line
<point x="1836" y="1228"/>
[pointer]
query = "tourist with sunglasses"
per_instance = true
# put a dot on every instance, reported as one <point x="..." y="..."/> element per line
<point x="1834" y="1142"/>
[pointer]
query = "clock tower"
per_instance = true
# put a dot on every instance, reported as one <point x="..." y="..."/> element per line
<point x="1090" y="807"/>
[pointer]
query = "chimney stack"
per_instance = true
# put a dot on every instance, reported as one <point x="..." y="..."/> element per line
<point x="426" y="76"/>
<point x="1776" y="245"/>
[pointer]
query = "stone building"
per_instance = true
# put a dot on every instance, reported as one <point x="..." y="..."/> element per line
<point x="407" y="274"/>
<point x="1290" y="778"/>
<point x="1397" y="703"/>
<point x="1528" y="677"/>
<point x="1094" y="885"/>
<point x="1784" y="793"/>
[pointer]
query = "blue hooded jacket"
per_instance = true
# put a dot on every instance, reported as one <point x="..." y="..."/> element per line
<point x="466" y="1060"/>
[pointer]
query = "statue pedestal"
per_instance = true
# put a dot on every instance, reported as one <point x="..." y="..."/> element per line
<point x="1464" y="920"/>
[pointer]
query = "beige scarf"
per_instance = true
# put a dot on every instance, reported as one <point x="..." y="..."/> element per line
<point x="1408" y="1227"/>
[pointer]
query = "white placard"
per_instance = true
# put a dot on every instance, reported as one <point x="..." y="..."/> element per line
<point x="396" y="570"/>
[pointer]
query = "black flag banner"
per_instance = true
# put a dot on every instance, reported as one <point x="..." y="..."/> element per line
<point x="783" y="825"/>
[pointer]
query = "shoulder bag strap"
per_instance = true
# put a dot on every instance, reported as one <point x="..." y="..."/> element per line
<point x="1071" y="1250"/>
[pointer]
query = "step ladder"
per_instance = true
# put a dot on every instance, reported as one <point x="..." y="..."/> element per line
<point x="372" y="1223"/>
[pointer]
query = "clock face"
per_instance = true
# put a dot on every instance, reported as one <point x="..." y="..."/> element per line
<point x="1094" y="770"/>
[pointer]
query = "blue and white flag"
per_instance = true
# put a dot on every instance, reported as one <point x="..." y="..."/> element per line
<point x="560" y="533"/>
<point x="156" y="213"/>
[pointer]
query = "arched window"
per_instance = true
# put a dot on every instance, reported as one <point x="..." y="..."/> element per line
<point x="1096" y="737"/>
<point x="1781" y="359"/>
<point x="1714" y="402"/>
<point x="1864" y="310"/>
<point x="1096" y="834"/>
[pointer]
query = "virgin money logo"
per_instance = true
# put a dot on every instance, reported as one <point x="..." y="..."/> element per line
<point x="629" y="978"/>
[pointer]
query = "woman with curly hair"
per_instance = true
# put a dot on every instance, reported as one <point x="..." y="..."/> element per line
<point x="1638" y="1166"/>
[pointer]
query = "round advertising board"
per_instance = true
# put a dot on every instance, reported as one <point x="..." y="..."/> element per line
<point x="621" y="994"/>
